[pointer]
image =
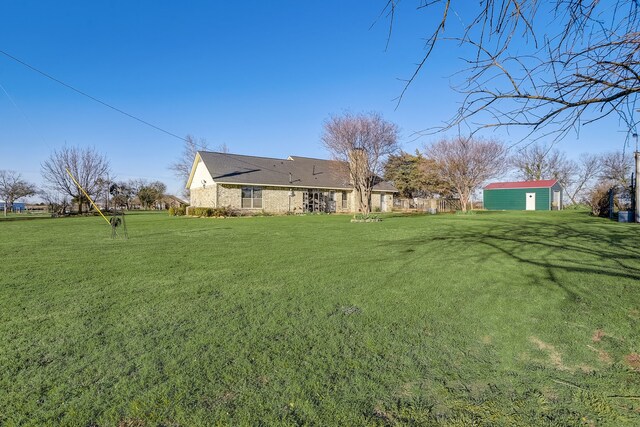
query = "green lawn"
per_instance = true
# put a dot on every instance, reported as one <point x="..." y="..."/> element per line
<point x="26" y="215"/>
<point x="487" y="319"/>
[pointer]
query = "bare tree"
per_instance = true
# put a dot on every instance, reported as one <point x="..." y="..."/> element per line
<point x="612" y="185"/>
<point x="552" y="65"/>
<point x="597" y="198"/>
<point x="182" y="166"/>
<point x="616" y="168"/>
<point x="537" y="161"/>
<point x="56" y="202"/>
<point x="87" y="166"/>
<point x="362" y="143"/>
<point x="467" y="163"/>
<point x="580" y="186"/>
<point x="579" y="179"/>
<point x="13" y="187"/>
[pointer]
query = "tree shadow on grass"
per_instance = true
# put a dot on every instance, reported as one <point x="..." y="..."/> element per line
<point x="586" y="246"/>
<point x="609" y="252"/>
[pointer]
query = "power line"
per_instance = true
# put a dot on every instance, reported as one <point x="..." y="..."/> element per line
<point x="89" y="96"/>
<point x="26" y="118"/>
<point x="115" y="108"/>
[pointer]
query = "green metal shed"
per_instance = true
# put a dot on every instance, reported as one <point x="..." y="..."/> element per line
<point x="543" y="195"/>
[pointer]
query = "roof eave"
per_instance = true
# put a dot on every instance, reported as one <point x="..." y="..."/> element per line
<point x="488" y="187"/>
<point x="196" y="160"/>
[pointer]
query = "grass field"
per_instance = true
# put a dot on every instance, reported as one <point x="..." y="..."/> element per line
<point x="488" y="319"/>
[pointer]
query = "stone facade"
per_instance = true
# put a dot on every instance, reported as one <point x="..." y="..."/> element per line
<point x="340" y="208"/>
<point x="203" y="197"/>
<point x="376" y="204"/>
<point x="381" y="202"/>
<point x="276" y="199"/>
<point x="229" y="195"/>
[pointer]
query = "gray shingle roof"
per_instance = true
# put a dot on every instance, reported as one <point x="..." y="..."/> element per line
<point x="304" y="172"/>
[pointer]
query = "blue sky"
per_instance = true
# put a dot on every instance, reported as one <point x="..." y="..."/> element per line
<point x="260" y="77"/>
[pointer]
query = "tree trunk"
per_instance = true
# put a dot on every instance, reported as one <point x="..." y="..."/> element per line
<point x="464" y="200"/>
<point x="364" y="196"/>
<point x="366" y="206"/>
<point x="358" y="191"/>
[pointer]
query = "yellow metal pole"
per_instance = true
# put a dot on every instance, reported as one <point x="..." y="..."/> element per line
<point x="85" y="193"/>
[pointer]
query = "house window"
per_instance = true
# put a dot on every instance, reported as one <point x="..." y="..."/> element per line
<point x="252" y="197"/>
<point x="344" y="200"/>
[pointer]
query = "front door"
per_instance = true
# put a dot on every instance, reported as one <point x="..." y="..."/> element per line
<point x="383" y="203"/>
<point x="531" y="201"/>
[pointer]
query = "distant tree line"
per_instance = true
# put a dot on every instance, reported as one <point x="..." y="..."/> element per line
<point x="460" y="166"/>
<point x="91" y="170"/>
<point x="13" y="187"/>
<point x="148" y="193"/>
<point x="367" y="146"/>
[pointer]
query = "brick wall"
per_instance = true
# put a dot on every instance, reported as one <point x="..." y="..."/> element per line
<point x="274" y="199"/>
<point x="229" y="195"/>
<point x="203" y="197"/>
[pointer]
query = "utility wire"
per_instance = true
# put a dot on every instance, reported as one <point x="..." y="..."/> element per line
<point x="89" y="96"/>
<point x="117" y="109"/>
<point x="26" y="118"/>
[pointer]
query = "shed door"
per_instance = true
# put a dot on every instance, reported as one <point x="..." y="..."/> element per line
<point x="556" y="200"/>
<point x="383" y="203"/>
<point x="531" y="201"/>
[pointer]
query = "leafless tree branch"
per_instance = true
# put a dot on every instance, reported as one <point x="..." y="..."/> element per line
<point x="557" y="65"/>
<point x="87" y="166"/>
<point x="13" y="187"/>
<point x="467" y="163"/>
<point x="361" y="142"/>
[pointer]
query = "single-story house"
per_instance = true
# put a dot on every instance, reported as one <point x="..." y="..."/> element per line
<point x="295" y="184"/>
<point x="542" y="195"/>
<point x="167" y="201"/>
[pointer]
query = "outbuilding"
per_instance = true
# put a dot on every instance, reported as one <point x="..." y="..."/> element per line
<point x="16" y="207"/>
<point x="543" y="195"/>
